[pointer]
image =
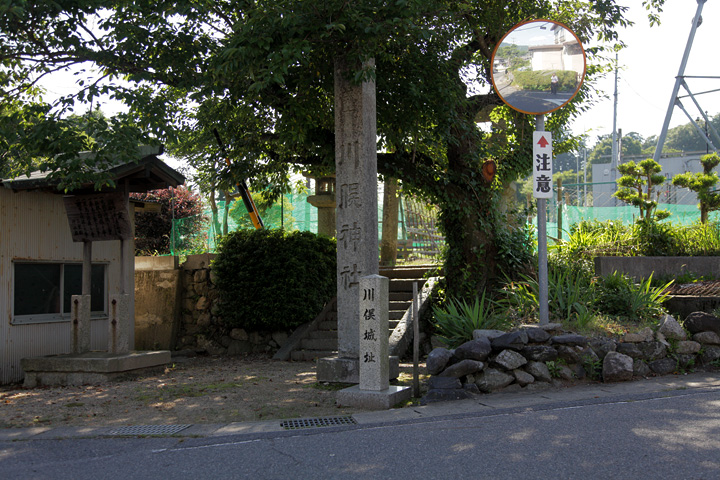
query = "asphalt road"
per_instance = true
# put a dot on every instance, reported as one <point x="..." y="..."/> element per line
<point x="661" y="435"/>
<point x="529" y="101"/>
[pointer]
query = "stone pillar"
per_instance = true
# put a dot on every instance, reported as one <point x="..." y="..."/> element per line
<point x="374" y="313"/>
<point x="80" y="323"/>
<point x="356" y="214"/>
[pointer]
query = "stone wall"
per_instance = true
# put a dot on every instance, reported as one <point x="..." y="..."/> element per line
<point x="200" y="327"/>
<point x="534" y="357"/>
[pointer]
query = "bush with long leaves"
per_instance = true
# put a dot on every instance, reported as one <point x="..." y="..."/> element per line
<point x="456" y="320"/>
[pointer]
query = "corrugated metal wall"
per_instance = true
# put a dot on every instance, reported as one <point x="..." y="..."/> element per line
<point x="33" y="226"/>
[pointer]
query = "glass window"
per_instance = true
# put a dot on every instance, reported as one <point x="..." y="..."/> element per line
<point x="73" y="286"/>
<point x="37" y="288"/>
<point x="43" y="291"/>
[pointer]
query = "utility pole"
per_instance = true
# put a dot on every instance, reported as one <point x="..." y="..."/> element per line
<point x="614" y="159"/>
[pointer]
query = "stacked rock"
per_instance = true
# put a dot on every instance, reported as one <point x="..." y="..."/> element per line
<point x="523" y="359"/>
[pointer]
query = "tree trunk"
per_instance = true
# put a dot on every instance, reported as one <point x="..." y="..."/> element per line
<point x="215" y="217"/>
<point x="226" y="211"/>
<point x="388" y="244"/>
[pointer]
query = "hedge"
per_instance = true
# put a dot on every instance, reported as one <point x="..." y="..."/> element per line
<point x="273" y="280"/>
<point x="540" y="80"/>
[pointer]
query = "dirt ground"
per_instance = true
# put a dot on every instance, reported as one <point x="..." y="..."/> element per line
<point x="190" y="391"/>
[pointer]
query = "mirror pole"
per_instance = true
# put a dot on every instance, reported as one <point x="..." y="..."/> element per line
<point x="542" y="244"/>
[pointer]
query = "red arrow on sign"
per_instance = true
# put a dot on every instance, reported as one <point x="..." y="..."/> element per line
<point x="543" y="142"/>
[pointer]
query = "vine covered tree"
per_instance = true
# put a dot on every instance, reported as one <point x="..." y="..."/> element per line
<point x="262" y="73"/>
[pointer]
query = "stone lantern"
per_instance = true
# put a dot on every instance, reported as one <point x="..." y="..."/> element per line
<point x="324" y="201"/>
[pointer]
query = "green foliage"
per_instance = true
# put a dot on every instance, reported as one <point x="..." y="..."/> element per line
<point x="554" y="368"/>
<point x="632" y="144"/>
<point x="540" y="80"/>
<point x="456" y="320"/>
<point x="686" y="138"/>
<point x="618" y="295"/>
<point x="273" y="280"/>
<point x="153" y="231"/>
<point x="656" y="238"/>
<point x="703" y="184"/>
<point x="271" y="213"/>
<point x="592" y="366"/>
<point x="637" y="187"/>
<point x="570" y="293"/>
<point x="589" y="239"/>
<point x="578" y="299"/>
<point x="515" y="247"/>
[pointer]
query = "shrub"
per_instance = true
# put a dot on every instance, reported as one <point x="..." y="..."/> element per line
<point x="569" y="294"/>
<point x="273" y="280"/>
<point x="457" y="319"/>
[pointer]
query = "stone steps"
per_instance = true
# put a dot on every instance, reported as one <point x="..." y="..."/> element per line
<point x="320" y="343"/>
<point x="323" y="341"/>
<point x="323" y="334"/>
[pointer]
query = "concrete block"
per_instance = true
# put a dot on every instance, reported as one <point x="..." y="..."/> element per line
<point x="642" y="267"/>
<point x="88" y="368"/>
<point x="372" y="399"/>
<point x="347" y="370"/>
<point x="165" y="262"/>
<point x="196" y="262"/>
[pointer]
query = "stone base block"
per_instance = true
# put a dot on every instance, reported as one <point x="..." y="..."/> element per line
<point x="347" y="370"/>
<point x="88" y="368"/>
<point x="371" y="399"/>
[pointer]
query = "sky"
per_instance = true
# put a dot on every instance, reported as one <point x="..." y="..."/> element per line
<point x="649" y="65"/>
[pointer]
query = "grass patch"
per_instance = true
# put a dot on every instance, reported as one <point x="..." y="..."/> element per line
<point x="325" y="386"/>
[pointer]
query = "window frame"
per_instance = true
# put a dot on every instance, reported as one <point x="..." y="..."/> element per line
<point x="28" y="319"/>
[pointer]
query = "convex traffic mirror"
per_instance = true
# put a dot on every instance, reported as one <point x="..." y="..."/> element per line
<point x="538" y="66"/>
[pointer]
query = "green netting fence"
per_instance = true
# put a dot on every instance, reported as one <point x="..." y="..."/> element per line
<point x="418" y="234"/>
<point x="594" y="201"/>
<point x="418" y="237"/>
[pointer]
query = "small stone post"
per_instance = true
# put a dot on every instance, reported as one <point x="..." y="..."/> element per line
<point x="374" y="390"/>
<point x="374" y="324"/>
<point x="119" y="330"/>
<point x="80" y="323"/>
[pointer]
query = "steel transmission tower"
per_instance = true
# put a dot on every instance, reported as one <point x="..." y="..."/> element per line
<point x="675" y="99"/>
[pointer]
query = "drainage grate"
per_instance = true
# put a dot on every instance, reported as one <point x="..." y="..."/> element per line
<point x="317" y="422"/>
<point x="149" y="430"/>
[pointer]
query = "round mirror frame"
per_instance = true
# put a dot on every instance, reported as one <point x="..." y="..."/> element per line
<point x="529" y="98"/>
